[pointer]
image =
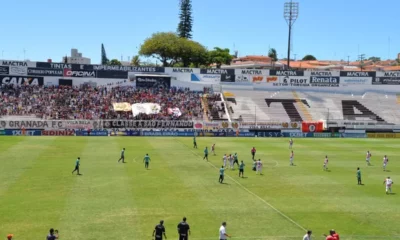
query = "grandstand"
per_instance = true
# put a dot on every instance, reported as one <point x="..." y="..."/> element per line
<point x="289" y="106"/>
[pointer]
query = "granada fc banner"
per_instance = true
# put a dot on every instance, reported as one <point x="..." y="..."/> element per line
<point x="312" y="127"/>
<point x="145" y="108"/>
<point x="50" y="124"/>
<point x="146" y="124"/>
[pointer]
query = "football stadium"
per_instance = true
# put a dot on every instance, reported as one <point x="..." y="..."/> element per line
<point x="254" y="148"/>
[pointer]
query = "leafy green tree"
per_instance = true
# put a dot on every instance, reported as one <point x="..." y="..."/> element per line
<point x="104" y="59"/>
<point x="273" y="54"/>
<point x="191" y="52"/>
<point x="115" y="62"/>
<point x="163" y="46"/>
<point x="219" y="56"/>
<point x="374" y="59"/>
<point x="135" y="61"/>
<point x="309" y="58"/>
<point x="185" y="19"/>
<point x="170" y="49"/>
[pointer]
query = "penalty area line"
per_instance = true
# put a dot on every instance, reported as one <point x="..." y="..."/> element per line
<point x="250" y="192"/>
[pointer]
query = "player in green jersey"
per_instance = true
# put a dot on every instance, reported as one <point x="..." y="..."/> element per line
<point x="77" y="164"/>
<point x="359" y="176"/>
<point x="146" y="161"/>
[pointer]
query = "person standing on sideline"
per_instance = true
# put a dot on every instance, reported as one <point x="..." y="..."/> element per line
<point x="222" y="232"/>
<point x="122" y="156"/>
<point x="253" y="152"/>
<point x="291" y="144"/>
<point x="308" y="235"/>
<point x="183" y="230"/>
<point x="241" y="169"/>
<point x="146" y="161"/>
<point x="332" y="235"/>
<point x="159" y="231"/>
<point x="221" y="174"/>
<point x="77" y="164"/>
<point x="359" y="176"/>
<point x="194" y="141"/>
<point x="52" y="235"/>
<point x="205" y="154"/>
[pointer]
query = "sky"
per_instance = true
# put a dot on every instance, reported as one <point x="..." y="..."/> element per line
<point x="329" y="30"/>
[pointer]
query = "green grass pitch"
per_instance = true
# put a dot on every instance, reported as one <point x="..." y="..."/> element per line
<point x="124" y="201"/>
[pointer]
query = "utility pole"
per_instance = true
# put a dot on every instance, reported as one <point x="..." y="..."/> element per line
<point x="348" y="60"/>
<point x="361" y="58"/>
<point x="290" y="13"/>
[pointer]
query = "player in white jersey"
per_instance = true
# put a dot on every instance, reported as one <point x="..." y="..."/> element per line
<point x="290" y="143"/>
<point x="213" y="149"/>
<point x="326" y="163"/>
<point x="291" y="159"/>
<point x="231" y="161"/>
<point x="388" y="182"/>
<point x="368" y="158"/>
<point x="259" y="167"/>
<point x="224" y="159"/>
<point x="385" y="162"/>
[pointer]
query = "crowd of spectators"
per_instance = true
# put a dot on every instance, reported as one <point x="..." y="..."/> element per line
<point x="87" y="102"/>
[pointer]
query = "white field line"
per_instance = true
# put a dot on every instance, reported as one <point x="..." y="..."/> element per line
<point x="252" y="193"/>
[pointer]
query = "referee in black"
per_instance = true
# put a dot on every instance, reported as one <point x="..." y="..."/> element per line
<point x="159" y="231"/>
<point x="183" y="230"/>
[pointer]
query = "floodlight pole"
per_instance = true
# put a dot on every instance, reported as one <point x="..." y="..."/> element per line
<point x="290" y="13"/>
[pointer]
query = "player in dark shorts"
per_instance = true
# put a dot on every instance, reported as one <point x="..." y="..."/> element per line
<point x="241" y="169"/>
<point x="53" y="235"/>
<point x="77" y="164"/>
<point x="194" y="142"/>
<point x="205" y="154"/>
<point x="253" y="153"/>
<point x="159" y="231"/>
<point x="235" y="159"/>
<point x="183" y="230"/>
<point x="122" y="156"/>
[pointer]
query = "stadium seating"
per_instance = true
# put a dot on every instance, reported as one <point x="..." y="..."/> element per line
<point x="88" y="102"/>
<point x="286" y="106"/>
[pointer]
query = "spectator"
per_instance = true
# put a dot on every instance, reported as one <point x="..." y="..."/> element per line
<point x="53" y="235"/>
<point x="308" y="235"/>
<point x="87" y="102"/>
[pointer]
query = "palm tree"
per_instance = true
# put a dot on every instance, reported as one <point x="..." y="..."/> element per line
<point x="135" y="61"/>
<point x="273" y="55"/>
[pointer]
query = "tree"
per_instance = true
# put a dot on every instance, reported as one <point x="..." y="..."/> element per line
<point x="104" y="59"/>
<point x="66" y="59"/>
<point x="163" y="46"/>
<point x="374" y="59"/>
<point x="170" y="49"/>
<point x="309" y="58"/>
<point x="219" y="56"/>
<point x="185" y="19"/>
<point x="191" y="53"/>
<point x="135" y="61"/>
<point x="115" y="62"/>
<point x="273" y="54"/>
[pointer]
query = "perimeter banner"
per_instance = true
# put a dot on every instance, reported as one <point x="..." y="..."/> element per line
<point x="147" y="124"/>
<point x="50" y="124"/>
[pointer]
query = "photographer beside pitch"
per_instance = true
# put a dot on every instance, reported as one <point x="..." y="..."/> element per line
<point x="53" y="235"/>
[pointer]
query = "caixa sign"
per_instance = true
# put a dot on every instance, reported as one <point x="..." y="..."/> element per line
<point x="23" y="132"/>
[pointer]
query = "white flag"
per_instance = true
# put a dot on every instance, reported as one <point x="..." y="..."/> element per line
<point x="145" y="108"/>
